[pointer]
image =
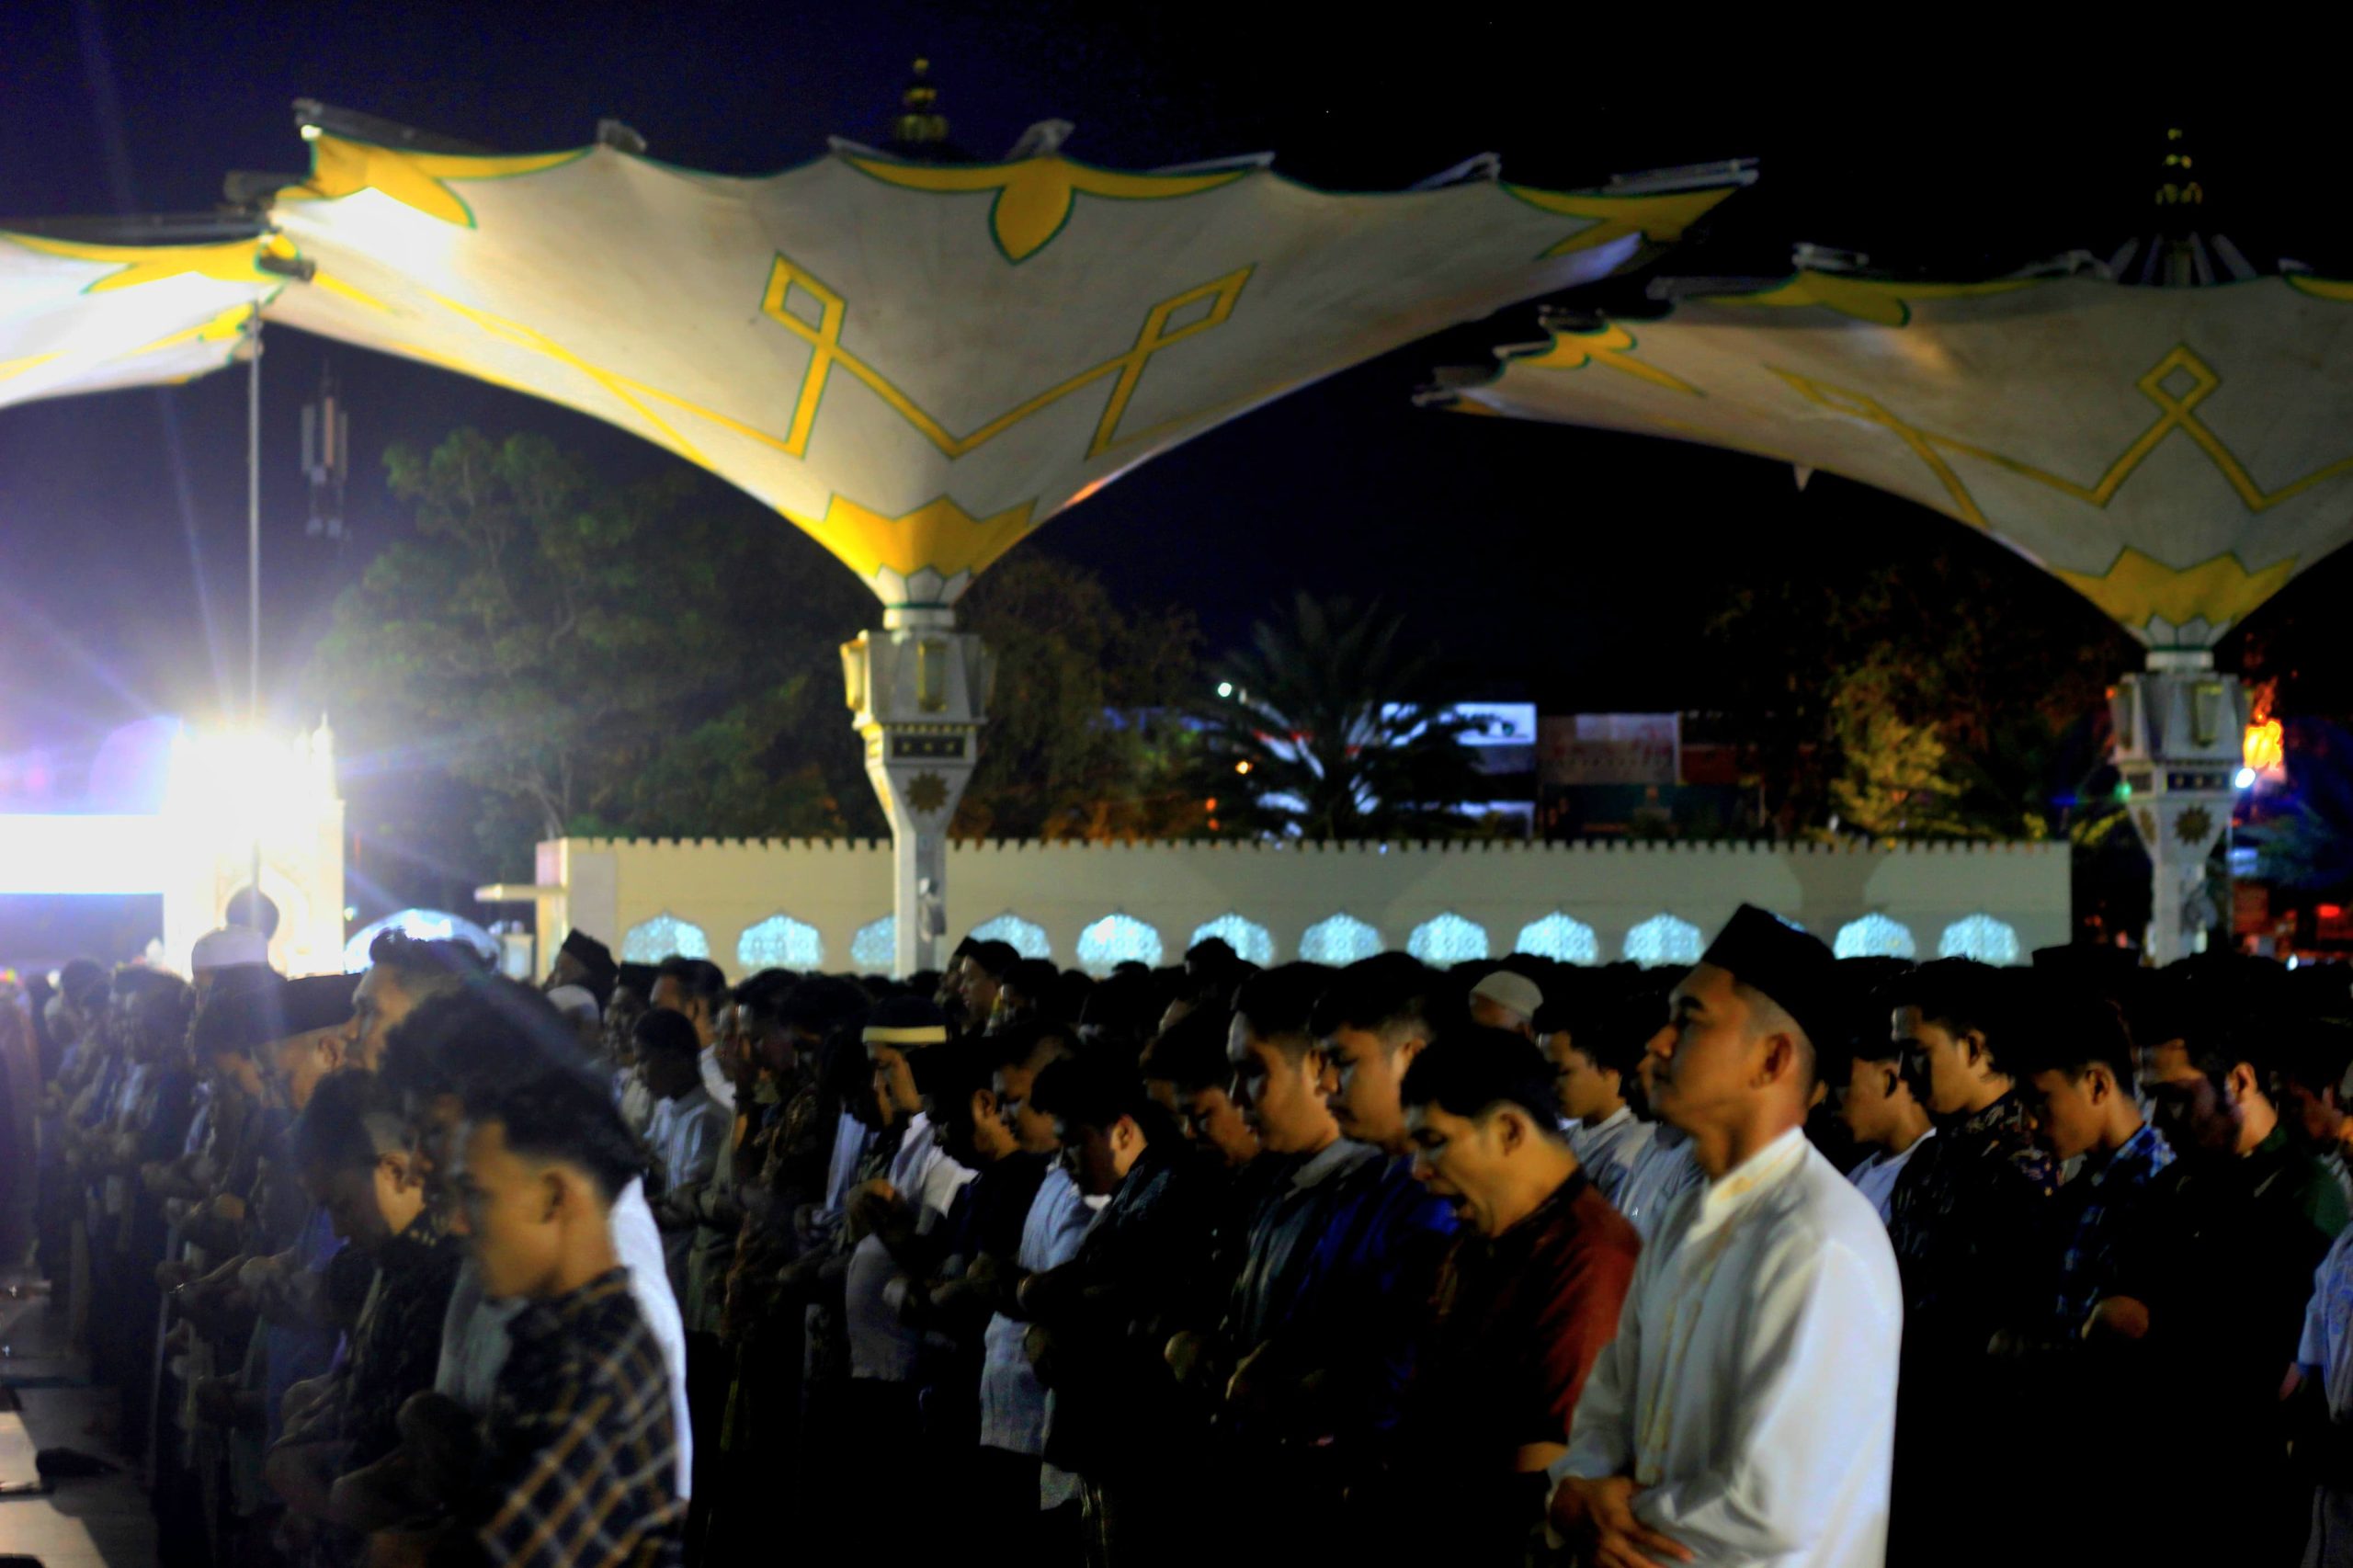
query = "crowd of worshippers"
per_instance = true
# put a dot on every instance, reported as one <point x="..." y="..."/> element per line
<point x="1776" y="1259"/>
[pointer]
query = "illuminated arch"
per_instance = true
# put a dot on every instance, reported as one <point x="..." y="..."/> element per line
<point x="1116" y="940"/>
<point x="1664" y="939"/>
<point x="1980" y="936"/>
<point x="875" y="947"/>
<point x="1874" y="936"/>
<point x="1026" y="937"/>
<point x="1560" y="938"/>
<point x="661" y="936"/>
<point x="1251" y="942"/>
<point x="1448" y="938"/>
<point x="1341" y="938"/>
<point x="781" y="942"/>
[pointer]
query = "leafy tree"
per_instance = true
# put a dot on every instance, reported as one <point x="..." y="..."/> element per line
<point x="1941" y="697"/>
<point x="596" y="658"/>
<point x="1080" y="743"/>
<point x="1330" y="732"/>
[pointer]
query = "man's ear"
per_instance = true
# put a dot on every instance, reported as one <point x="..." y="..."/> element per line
<point x="1406" y="1053"/>
<point x="2243" y="1083"/>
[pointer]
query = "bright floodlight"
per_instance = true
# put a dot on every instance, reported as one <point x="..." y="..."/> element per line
<point x="2245" y="780"/>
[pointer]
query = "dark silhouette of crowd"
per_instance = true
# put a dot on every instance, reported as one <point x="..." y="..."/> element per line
<point x="1776" y="1258"/>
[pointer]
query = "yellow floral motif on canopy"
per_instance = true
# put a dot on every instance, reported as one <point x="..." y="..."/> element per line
<point x="341" y="167"/>
<point x="2139" y="588"/>
<point x="1659" y="220"/>
<point x="940" y="534"/>
<point x="229" y="262"/>
<point x="1867" y="299"/>
<point x="1612" y="346"/>
<point x="1034" y="197"/>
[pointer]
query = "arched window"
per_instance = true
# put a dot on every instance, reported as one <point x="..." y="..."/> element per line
<point x="1561" y="938"/>
<point x="1980" y="936"/>
<point x="1343" y="938"/>
<point x="661" y="936"/>
<point x="1251" y="942"/>
<point x="1448" y="939"/>
<point x="1027" y="937"/>
<point x="1874" y="936"/>
<point x="423" y="925"/>
<point x="875" y="948"/>
<point x="1664" y="939"/>
<point x="1116" y="939"/>
<point x="781" y="942"/>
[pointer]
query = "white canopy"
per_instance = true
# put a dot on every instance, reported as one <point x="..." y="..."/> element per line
<point x="916" y="363"/>
<point x="77" y="317"/>
<point x="2175" y="454"/>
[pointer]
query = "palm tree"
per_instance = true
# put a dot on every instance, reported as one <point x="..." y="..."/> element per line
<point x="1324" y="728"/>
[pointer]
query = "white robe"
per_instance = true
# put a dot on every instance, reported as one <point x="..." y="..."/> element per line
<point x="1751" y="1388"/>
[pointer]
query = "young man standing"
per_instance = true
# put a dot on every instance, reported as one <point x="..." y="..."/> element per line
<point x="687" y="1133"/>
<point x="576" y="1462"/>
<point x="696" y="989"/>
<point x="352" y="1149"/>
<point x="1015" y="1487"/>
<point x="1527" y="1298"/>
<point x="1745" y="1411"/>
<point x="2209" y="1290"/>
<point x="1885" y="1107"/>
<point x="1594" y="1066"/>
<point x="1277" y="1070"/>
<point x="2077" y="1073"/>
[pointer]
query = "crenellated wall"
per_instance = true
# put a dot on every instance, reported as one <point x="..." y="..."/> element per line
<point x="607" y="886"/>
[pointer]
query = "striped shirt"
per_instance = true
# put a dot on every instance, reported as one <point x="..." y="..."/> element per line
<point x="580" y="1445"/>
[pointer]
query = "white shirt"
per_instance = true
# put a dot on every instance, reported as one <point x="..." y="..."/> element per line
<point x="715" y="1081"/>
<point x="925" y="1179"/>
<point x="1013" y="1402"/>
<point x="1751" y="1388"/>
<point x="687" y="1135"/>
<point x="1611" y="1147"/>
<point x="473" y="1332"/>
<point x="1661" y="1172"/>
<point x="1875" y="1177"/>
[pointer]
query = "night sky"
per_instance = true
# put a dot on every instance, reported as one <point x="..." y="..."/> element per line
<point x="1571" y="567"/>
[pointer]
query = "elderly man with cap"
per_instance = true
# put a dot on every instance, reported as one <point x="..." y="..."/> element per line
<point x="1506" y="1000"/>
<point x="1746" y="1412"/>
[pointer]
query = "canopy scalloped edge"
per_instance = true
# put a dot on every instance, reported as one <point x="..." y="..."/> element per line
<point x="2160" y="603"/>
<point x="940" y="545"/>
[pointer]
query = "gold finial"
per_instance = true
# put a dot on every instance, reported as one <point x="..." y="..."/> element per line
<point x="919" y="124"/>
<point x="2179" y="186"/>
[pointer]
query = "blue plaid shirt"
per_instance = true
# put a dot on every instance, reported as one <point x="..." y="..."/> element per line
<point x="2110" y="1190"/>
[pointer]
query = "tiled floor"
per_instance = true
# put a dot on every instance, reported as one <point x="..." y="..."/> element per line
<point x="100" y="1523"/>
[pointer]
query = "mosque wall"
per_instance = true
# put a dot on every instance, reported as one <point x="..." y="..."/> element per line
<point x="1090" y="903"/>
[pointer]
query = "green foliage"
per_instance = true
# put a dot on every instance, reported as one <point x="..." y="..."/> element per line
<point x="1331" y="732"/>
<point x="1941" y="698"/>
<point x="1071" y="750"/>
<point x="596" y="658"/>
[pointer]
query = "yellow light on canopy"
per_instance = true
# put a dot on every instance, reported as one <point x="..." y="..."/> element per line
<point x="915" y="363"/>
<point x="2175" y="455"/>
<point x="77" y="317"/>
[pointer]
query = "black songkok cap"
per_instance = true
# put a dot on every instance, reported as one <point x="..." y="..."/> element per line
<point x="318" y="1002"/>
<point x="592" y="954"/>
<point x="1766" y="953"/>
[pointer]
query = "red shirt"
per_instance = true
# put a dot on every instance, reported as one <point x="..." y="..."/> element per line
<point x="1518" y="1321"/>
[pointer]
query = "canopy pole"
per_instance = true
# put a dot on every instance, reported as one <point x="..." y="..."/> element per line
<point x="252" y="572"/>
<point x="2179" y="730"/>
<point x="918" y="690"/>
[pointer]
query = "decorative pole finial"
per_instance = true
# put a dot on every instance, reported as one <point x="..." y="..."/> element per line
<point x="919" y="130"/>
